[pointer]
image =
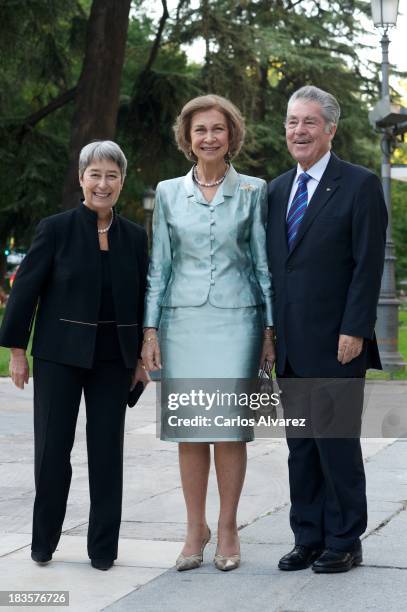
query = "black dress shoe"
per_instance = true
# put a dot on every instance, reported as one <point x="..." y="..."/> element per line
<point x="102" y="564"/>
<point x="335" y="561"/>
<point x="299" y="558"/>
<point x="40" y="557"/>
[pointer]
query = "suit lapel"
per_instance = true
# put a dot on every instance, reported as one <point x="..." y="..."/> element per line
<point x="327" y="186"/>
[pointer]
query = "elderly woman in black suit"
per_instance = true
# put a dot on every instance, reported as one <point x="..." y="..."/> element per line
<point x="86" y="271"/>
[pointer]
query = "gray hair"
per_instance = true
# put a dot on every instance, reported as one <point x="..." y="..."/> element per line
<point x="330" y="109"/>
<point x="99" y="150"/>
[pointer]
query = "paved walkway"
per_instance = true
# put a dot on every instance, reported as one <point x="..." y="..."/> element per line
<point x="143" y="578"/>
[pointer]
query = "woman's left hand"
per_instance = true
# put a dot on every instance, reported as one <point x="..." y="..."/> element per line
<point x="268" y="352"/>
<point x="140" y="374"/>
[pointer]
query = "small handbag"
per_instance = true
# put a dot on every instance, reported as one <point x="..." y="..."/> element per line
<point x="265" y="385"/>
<point x="134" y="394"/>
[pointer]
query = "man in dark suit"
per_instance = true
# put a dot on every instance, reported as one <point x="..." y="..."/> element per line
<point x="326" y="240"/>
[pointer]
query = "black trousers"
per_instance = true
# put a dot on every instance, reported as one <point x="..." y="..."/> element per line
<point x="57" y="395"/>
<point x="326" y="474"/>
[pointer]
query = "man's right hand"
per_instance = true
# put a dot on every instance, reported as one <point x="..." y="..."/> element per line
<point x="18" y="367"/>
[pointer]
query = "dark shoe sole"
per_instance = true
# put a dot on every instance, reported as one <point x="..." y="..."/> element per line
<point x="41" y="560"/>
<point x="103" y="566"/>
<point x="287" y="567"/>
<point x="290" y="568"/>
<point x="338" y="570"/>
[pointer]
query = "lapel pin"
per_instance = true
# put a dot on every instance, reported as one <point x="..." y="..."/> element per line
<point x="328" y="189"/>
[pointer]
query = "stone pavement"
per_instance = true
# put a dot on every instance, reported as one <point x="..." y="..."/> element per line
<point x="143" y="578"/>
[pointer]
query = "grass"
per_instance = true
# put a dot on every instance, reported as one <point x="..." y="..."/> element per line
<point x="372" y="375"/>
<point x="401" y="374"/>
<point x="403" y="333"/>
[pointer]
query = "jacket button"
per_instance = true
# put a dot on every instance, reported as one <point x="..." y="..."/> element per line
<point x="213" y="222"/>
<point x="212" y="282"/>
<point x="213" y="267"/>
<point x="211" y="208"/>
<point x="212" y="237"/>
<point x="289" y="269"/>
<point x="212" y="253"/>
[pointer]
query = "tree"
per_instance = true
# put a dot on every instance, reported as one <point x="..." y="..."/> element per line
<point x="158" y="92"/>
<point x="259" y="52"/>
<point x="40" y="45"/>
<point x="98" y="89"/>
<point x="399" y="212"/>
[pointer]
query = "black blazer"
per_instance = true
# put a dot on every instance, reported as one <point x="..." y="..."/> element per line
<point x="62" y="273"/>
<point x="329" y="283"/>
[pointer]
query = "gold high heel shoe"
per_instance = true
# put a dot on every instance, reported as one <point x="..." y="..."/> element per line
<point x="184" y="563"/>
<point x="225" y="564"/>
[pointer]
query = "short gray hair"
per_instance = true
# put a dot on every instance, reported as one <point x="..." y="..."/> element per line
<point x="330" y="109"/>
<point x="99" y="150"/>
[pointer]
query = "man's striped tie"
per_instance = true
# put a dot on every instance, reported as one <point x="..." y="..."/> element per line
<point x="297" y="208"/>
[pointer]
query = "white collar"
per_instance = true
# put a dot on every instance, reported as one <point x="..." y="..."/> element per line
<point x="317" y="170"/>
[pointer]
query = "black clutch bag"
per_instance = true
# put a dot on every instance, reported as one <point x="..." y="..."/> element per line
<point x="135" y="394"/>
<point x="265" y="385"/>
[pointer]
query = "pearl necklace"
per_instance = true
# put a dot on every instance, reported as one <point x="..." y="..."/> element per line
<point x="214" y="184"/>
<point x="106" y="229"/>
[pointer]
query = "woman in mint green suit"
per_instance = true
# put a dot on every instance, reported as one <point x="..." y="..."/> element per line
<point x="208" y="305"/>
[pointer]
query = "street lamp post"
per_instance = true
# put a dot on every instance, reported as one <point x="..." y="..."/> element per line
<point x="148" y="207"/>
<point x="384" y="15"/>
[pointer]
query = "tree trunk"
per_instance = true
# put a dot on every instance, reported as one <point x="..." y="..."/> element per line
<point x="97" y="98"/>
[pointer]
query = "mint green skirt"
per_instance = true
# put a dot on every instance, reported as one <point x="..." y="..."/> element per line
<point x="205" y="342"/>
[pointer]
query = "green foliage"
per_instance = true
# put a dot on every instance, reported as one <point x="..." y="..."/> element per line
<point x="259" y="52"/>
<point x="399" y="212"/>
<point x="150" y="102"/>
<point x="43" y="42"/>
<point x="402" y="348"/>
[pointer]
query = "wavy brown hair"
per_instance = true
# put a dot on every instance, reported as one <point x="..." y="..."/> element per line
<point x="234" y="119"/>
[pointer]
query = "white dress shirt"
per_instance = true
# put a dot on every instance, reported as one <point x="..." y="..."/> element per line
<point x="315" y="172"/>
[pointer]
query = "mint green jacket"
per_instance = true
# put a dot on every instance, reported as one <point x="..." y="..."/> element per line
<point x="214" y="251"/>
